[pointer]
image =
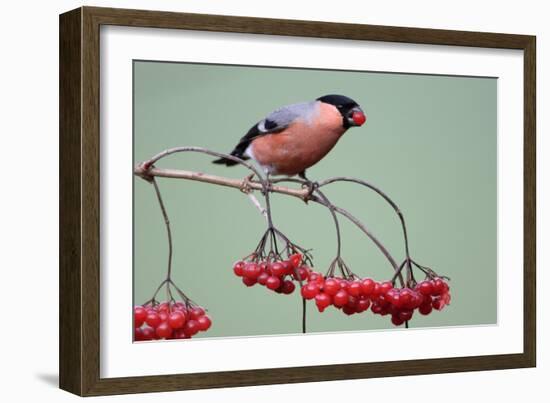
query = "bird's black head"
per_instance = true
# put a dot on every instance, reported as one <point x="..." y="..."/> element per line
<point x="350" y="110"/>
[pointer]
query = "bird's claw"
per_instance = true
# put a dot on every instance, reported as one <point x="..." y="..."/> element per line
<point x="245" y="186"/>
<point x="268" y="187"/>
<point x="311" y="187"/>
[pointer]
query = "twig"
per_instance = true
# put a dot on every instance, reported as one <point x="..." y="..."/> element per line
<point x="168" y="231"/>
<point x="256" y="203"/>
<point x="140" y="170"/>
<point x="386" y="198"/>
<point x="303" y="194"/>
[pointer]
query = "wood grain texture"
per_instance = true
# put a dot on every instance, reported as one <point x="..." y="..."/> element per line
<point x="529" y="203"/>
<point x="70" y="273"/>
<point x="80" y="196"/>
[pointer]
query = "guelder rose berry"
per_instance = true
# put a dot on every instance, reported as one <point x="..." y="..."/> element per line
<point x="322" y="301"/>
<point x="276" y="275"/>
<point x="169" y="320"/>
<point x="353" y="296"/>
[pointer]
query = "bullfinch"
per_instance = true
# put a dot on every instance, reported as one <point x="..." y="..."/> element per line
<point x="295" y="137"/>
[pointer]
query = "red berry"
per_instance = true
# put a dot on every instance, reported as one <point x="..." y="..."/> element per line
<point x="264" y="266"/>
<point x="204" y="323"/>
<point x="341" y="298"/>
<point x="439" y="286"/>
<point x="359" y="118"/>
<point x="405" y="298"/>
<point x="196" y="312"/>
<point x="376" y="291"/>
<point x="438" y="304"/>
<point x="176" y="319"/>
<point x="180" y="334"/>
<point x="138" y="334"/>
<point x="367" y="286"/>
<point x="300" y="273"/>
<point x="352" y="301"/>
<point x="278" y="269"/>
<point x="163" y="315"/>
<point x="262" y="278"/>
<point x="191" y="327"/>
<point x="322" y="300"/>
<point x="425" y="309"/>
<point x="238" y="268"/>
<point x="331" y="286"/>
<point x="140" y="314"/>
<point x="289" y="269"/>
<point x="344" y="284"/>
<point x="153" y="319"/>
<point x="362" y="305"/>
<point x="252" y="271"/>
<point x="147" y="333"/>
<point x="385" y="287"/>
<point x="425" y="287"/>
<point x="273" y="282"/>
<point x="310" y="290"/>
<point x="316" y="277"/>
<point x="249" y="282"/>
<point x="405" y="315"/>
<point x="355" y="288"/>
<point x="295" y="260"/>
<point x="396" y="320"/>
<point x="163" y="330"/>
<point x="376" y="308"/>
<point x="288" y="287"/>
<point x="392" y="296"/>
<point x="348" y="310"/>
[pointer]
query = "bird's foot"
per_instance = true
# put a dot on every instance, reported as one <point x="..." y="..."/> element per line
<point x="245" y="186"/>
<point x="311" y="188"/>
<point x="268" y="186"/>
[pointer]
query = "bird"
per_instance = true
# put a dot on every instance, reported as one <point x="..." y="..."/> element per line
<point x="295" y="137"/>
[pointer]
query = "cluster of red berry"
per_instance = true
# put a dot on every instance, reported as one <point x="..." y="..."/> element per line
<point x="357" y="295"/>
<point x="169" y="320"/>
<point x="277" y="275"/>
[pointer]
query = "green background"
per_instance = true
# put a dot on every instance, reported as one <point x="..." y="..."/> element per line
<point x="429" y="142"/>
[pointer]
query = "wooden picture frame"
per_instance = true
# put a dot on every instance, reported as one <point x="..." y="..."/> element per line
<point x="79" y="200"/>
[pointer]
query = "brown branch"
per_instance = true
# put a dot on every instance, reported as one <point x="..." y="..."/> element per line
<point x="242" y="184"/>
<point x="247" y="185"/>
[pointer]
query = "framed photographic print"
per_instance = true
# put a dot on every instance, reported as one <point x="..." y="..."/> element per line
<point x="249" y="201"/>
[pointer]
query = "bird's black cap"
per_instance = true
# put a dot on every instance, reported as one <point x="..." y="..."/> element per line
<point x="340" y="101"/>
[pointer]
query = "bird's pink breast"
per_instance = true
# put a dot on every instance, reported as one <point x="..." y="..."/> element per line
<point x="301" y="145"/>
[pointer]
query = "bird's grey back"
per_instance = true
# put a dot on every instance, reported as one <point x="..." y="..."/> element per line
<point x="284" y="116"/>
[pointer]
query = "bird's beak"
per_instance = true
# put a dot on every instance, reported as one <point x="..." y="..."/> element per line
<point x="356" y="117"/>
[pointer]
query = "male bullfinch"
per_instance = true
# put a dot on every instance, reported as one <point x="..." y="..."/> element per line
<point x="295" y="137"/>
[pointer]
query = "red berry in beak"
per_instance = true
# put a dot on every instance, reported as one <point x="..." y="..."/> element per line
<point x="359" y="118"/>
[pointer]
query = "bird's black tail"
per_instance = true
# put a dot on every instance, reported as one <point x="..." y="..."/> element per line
<point x="237" y="152"/>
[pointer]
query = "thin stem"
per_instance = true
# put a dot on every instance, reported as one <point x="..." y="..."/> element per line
<point x="303" y="315"/>
<point x="147" y="171"/>
<point x="335" y="218"/>
<point x="167" y="223"/>
<point x="157" y="291"/>
<point x="145" y="167"/>
<point x="386" y="198"/>
<point x="348" y="215"/>
<point x="268" y="203"/>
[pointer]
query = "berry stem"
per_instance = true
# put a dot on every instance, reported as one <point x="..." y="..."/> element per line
<point x="386" y="198"/>
<point x="335" y="218"/>
<point x="168" y="230"/>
